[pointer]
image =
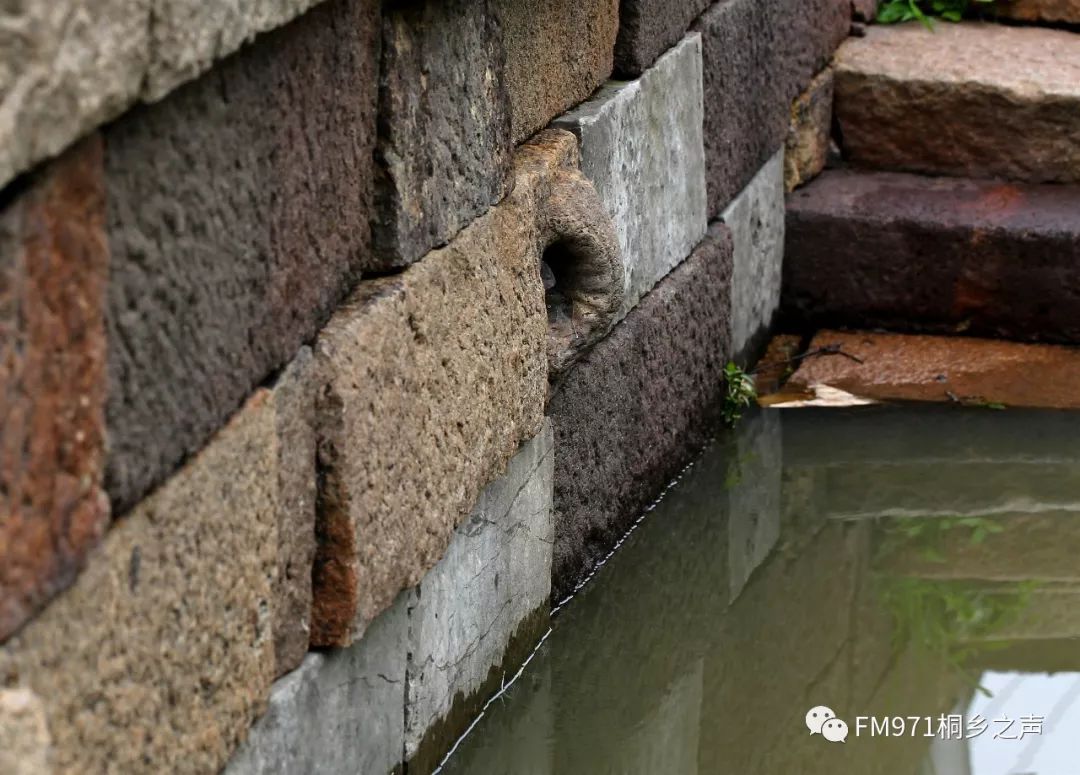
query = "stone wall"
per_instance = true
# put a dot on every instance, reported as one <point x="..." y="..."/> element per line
<point x="337" y="337"/>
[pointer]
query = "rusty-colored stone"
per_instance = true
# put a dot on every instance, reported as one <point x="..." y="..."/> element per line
<point x="1067" y="11"/>
<point x="971" y="99"/>
<point x="936" y="368"/>
<point x="941" y="255"/>
<point x="53" y="267"/>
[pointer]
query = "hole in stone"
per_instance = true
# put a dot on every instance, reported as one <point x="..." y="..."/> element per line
<point x="557" y="272"/>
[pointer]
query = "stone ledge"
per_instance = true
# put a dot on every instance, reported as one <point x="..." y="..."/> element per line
<point x="968" y="100"/>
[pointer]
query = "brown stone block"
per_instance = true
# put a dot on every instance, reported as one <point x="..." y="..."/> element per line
<point x="1067" y="11"/>
<point x="969" y="100"/>
<point x="557" y="53"/>
<point x="910" y="253"/>
<point x="435" y="376"/>
<point x="53" y="267"/>
<point x="648" y="28"/>
<point x="239" y="216"/>
<point x="161" y="654"/>
<point x="809" y="132"/>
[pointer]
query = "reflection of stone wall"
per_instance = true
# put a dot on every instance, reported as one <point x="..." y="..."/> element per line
<point x="285" y="287"/>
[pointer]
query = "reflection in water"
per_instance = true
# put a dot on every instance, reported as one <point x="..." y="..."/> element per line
<point x="881" y="561"/>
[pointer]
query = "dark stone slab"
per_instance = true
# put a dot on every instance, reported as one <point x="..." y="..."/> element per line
<point x="444" y="144"/>
<point x="239" y="212"/>
<point x="53" y="266"/>
<point x="758" y="56"/>
<point x="648" y="28"/>
<point x="910" y="253"/>
<point x="634" y="410"/>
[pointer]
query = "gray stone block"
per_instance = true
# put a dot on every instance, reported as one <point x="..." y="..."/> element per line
<point x="648" y="28"/>
<point x="481" y="608"/>
<point x="637" y="407"/>
<point x="756" y="220"/>
<point x="641" y="146"/>
<point x="238" y="214"/>
<point x="444" y="147"/>
<point x="340" y="713"/>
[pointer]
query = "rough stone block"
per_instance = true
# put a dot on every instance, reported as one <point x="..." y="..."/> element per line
<point x="238" y="218"/>
<point x="756" y="221"/>
<point x="444" y="146"/>
<point x="940" y="255"/>
<point x="436" y="375"/>
<point x="293" y="404"/>
<point x="1067" y="11"/>
<point x="68" y="66"/>
<point x="340" y="713"/>
<point x="633" y="411"/>
<point x="648" y="28"/>
<point x="557" y="53"/>
<point x="641" y="146"/>
<point x="53" y="269"/>
<point x="970" y="100"/>
<point x="479" y="611"/>
<point x="864" y="10"/>
<point x="24" y="734"/>
<point x="161" y="654"/>
<point x="758" y="55"/>
<point x="809" y="133"/>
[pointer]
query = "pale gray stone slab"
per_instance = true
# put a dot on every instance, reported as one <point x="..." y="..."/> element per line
<point x="756" y="220"/>
<point x="67" y="66"/>
<point x="642" y="148"/>
<point x="496" y="573"/>
<point x="340" y="712"/>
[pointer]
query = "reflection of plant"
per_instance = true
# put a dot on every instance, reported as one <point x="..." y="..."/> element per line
<point x="740" y="392"/>
<point x="893" y="11"/>
<point x="927" y="535"/>
<point x="947" y="617"/>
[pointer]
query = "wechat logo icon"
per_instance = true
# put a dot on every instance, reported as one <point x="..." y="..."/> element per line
<point x="821" y="720"/>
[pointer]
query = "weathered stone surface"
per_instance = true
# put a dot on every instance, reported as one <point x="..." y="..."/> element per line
<point x="641" y="146"/>
<point x="1067" y="11"/>
<point x="807" y="146"/>
<point x="756" y="221"/>
<point x="941" y="255"/>
<point x="24" y="734"/>
<point x="340" y="713"/>
<point x="648" y="28"/>
<point x="53" y="268"/>
<point x="188" y="36"/>
<point x="161" y="654"/>
<point x="631" y="413"/>
<point x="754" y="496"/>
<point x="864" y="10"/>
<point x="436" y="375"/>
<point x="67" y="66"/>
<point x="479" y="611"/>
<point x="971" y="100"/>
<point x="293" y="404"/>
<point x="444" y="146"/>
<point x="238" y="218"/>
<point x="938" y="368"/>
<point x="557" y="53"/>
<point x="759" y="55"/>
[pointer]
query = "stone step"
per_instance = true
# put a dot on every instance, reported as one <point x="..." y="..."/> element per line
<point x="971" y="100"/>
<point x="1041" y="11"/>
<point x="944" y="255"/>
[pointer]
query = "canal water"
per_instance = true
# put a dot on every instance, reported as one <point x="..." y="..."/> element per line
<point x="910" y="574"/>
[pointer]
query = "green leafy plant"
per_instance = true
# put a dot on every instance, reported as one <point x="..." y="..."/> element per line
<point x="927" y="536"/>
<point x="895" y="11"/>
<point x="740" y="392"/>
